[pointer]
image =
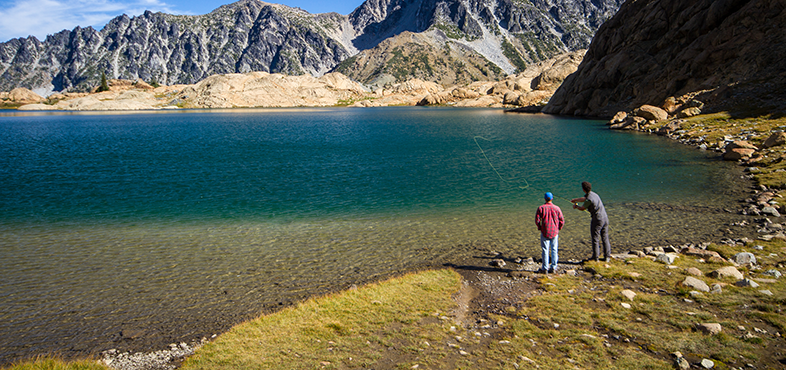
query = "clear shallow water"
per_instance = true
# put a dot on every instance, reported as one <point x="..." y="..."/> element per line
<point x="173" y="226"/>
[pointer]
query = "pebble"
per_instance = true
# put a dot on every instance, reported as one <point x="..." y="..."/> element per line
<point x="158" y="360"/>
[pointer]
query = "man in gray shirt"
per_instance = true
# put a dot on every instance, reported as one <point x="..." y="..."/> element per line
<point x="599" y="226"/>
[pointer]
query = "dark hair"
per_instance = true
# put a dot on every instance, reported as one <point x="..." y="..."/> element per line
<point x="586" y="186"/>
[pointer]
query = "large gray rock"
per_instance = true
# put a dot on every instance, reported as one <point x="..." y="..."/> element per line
<point x="745" y="258"/>
<point x="651" y="113"/>
<point x="776" y="139"/>
<point x="709" y="328"/>
<point x="747" y="283"/>
<point x="667" y="258"/>
<point x="724" y="272"/>
<point x="769" y="210"/>
<point x="698" y="284"/>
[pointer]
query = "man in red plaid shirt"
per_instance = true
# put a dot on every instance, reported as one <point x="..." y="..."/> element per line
<point x="549" y="221"/>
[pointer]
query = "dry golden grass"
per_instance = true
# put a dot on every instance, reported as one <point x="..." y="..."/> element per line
<point x="351" y="329"/>
<point x="50" y="363"/>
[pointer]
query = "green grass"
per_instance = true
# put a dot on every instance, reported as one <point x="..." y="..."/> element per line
<point x="712" y="128"/>
<point x="568" y="322"/>
<point x="351" y="329"/>
<point x="49" y="363"/>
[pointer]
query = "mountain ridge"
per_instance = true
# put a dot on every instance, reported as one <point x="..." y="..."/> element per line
<point x="250" y="35"/>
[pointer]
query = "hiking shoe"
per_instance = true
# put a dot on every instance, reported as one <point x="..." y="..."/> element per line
<point x="552" y="270"/>
<point x="541" y="271"/>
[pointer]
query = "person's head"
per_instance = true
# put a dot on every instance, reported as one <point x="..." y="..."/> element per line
<point x="586" y="186"/>
<point x="548" y="196"/>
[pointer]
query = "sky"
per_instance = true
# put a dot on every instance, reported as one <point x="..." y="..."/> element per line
<point x="39" y="18"/>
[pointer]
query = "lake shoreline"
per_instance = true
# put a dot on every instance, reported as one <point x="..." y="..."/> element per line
<point x="481" y="262"/>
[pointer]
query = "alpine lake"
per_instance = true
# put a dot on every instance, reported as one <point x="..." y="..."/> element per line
<point x="136" y="230"/>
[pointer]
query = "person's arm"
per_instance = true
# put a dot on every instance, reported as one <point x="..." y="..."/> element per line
<point x="561" y="221"/>
<point x="576" y="202"/>
<point x="538" y="219"/>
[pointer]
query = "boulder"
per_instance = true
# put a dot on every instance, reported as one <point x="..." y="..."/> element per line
<point x="724" y="272"/>
<point x="667" y="258"/>
<point x="703" y="253"/>
<point x="689" y="112"/>
<point x="697" y="284"/>
<point x="769" y="210"/>
<point x="694" y="271"/>
<point x="670" y="105"/>
<point x="737" y="154"/>
<point x="774" y="273"/>
<point x="747" y="283"/>
<point x="669" y="128"/>
<point x="651" y="113"/>
<point x="745" y="258"/>
<point x="510" y="97"/>
<point x="709" y="328"/>
<point x="776" y="139"/>
<point x="629" y="294"/>
<point x="618" y="118"/>
<point x="740" y="144"/>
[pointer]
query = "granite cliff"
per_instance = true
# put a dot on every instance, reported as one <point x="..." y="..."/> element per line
<point x="501" y="36"/>
<point x="719" y="54"/>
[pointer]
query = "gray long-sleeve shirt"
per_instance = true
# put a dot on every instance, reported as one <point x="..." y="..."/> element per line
<point x="594" y="205"/>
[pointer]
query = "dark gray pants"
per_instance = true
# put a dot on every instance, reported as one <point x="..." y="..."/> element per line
<point x="599" y="230"/>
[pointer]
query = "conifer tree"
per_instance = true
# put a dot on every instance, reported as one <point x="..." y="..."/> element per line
<point x="104" y="85"/>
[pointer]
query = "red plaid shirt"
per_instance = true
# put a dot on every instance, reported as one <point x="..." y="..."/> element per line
<point x="549" y="220"/>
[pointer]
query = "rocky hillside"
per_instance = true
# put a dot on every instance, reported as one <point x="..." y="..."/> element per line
<point x="533" y="86"/>
<point x="728" y="54"/>
<point x="251" y="35"/>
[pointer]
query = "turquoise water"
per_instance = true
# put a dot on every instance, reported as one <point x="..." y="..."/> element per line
<point x="179" y="224"/>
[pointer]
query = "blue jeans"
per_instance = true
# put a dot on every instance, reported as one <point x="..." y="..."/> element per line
<point x="549" y="248"/>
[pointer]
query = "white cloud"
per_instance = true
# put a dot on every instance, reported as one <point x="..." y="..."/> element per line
<point x="39" y="18"/>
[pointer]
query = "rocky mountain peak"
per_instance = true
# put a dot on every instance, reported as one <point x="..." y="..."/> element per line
<point x="251" y="35"/>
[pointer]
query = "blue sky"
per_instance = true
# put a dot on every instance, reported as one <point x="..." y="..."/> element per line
<point x="22" y="18"/>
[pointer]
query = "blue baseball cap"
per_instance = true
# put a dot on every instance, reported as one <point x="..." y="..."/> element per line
<point x="548" y="196"/>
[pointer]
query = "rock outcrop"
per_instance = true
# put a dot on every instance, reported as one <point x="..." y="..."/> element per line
<point x="20" y="95"/>
<point x="250" y="35"/>
<point x="261" y="89"/>
<point x="725" y="53"/>
<point x="532" y="87"/>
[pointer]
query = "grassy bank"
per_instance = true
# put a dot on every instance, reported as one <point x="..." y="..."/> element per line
<point x="567" y="321"/>
<point x="770" y="167"/>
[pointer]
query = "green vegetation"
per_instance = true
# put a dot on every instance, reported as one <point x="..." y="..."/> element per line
<point x="350" y="101"/>
<point x="356" y="328"/>
<point x="513" y="55"/>
<point x="49" y="363"/>
<point x="567" y="321"/>
<point x="451" y="31"/>
<point x="415" y="63"/>
<point x="753" y="125"/>
<point x="103" y="86"/>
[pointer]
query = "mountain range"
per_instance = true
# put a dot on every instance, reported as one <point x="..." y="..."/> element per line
<point x="379" y="43"/>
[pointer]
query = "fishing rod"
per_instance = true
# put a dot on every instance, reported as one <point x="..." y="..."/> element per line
<point x="500" y="176"/>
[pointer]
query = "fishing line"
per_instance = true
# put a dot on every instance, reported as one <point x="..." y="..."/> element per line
<point x="492" y="166"/>
<point x="500" y="176"/>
